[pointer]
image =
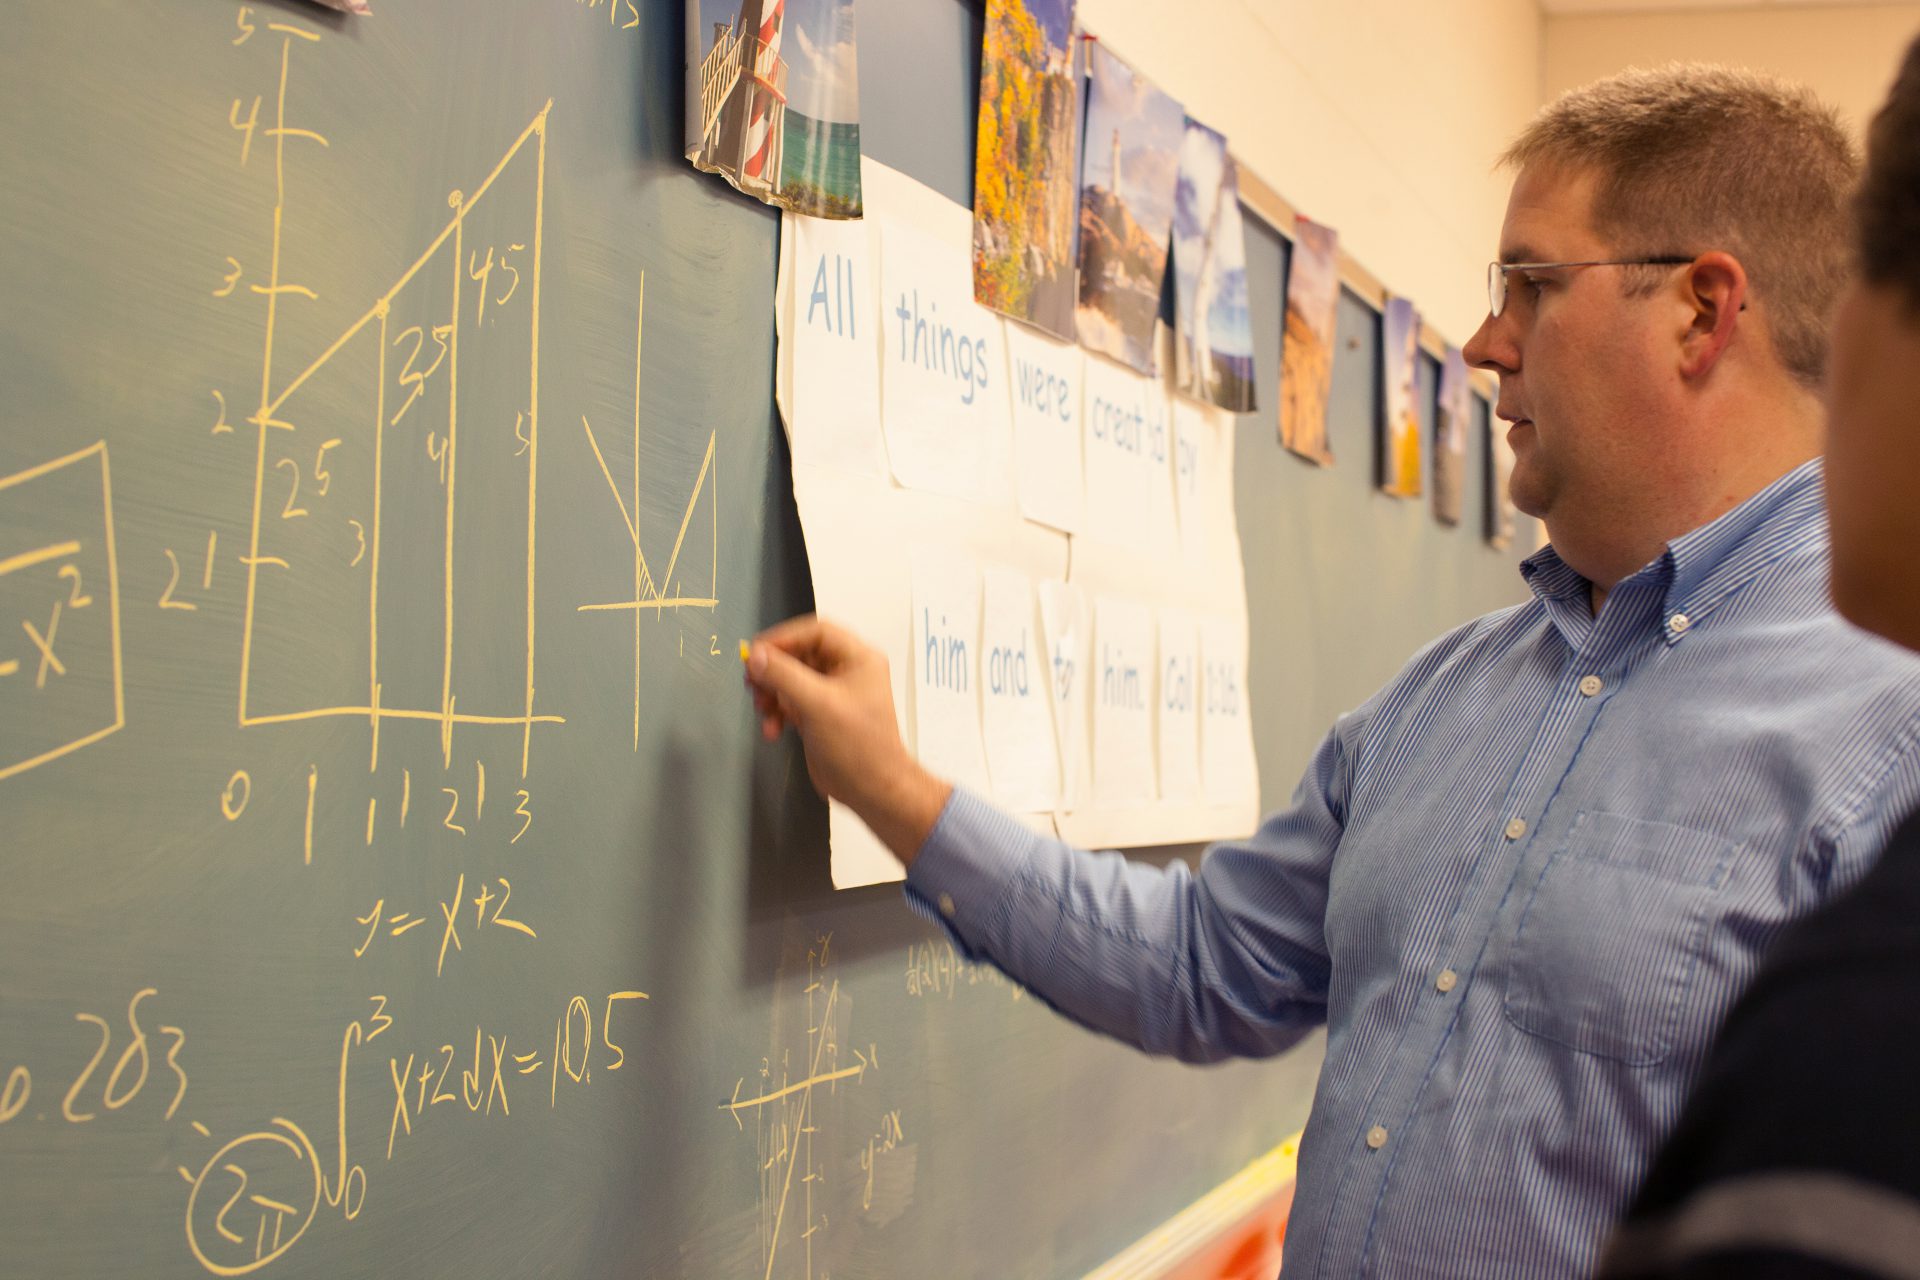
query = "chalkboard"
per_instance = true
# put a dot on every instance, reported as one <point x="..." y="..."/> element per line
<point x="394" y="883"/>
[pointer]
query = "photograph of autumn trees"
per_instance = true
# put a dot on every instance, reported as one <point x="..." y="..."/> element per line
<point x="1306" y="351"/>
<point x="1026" y="164"/>
<point x="1127" y="183"/>
<point x="1399" y="374"/>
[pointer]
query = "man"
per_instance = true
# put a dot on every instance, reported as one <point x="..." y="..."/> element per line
<point x="1797" y="1156"/>
<point x="1523" y="882"/>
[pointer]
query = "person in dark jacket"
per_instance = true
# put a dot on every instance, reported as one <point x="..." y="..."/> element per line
<point x="1798" y="1154"/>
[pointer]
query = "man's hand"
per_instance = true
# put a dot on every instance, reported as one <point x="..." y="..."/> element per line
<point x="836" y="693"/>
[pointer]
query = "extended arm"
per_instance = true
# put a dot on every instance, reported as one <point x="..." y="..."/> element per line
<point x="1227" y="961"/>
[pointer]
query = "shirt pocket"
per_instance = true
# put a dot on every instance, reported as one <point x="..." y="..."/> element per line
<point x="1608" y="946"/>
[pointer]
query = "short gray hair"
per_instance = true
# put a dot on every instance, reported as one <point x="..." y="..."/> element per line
<point x="1693" y="157"/>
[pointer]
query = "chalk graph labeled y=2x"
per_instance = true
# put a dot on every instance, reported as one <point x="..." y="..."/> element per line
<point x="406" y="424"/>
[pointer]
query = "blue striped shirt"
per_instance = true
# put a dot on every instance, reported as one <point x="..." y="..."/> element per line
<point x="1521" y="886"/>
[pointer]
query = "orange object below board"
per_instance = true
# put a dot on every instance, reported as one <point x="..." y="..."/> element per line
<point x="1234" y="1232"/>
<point x="1249" y="1251"/>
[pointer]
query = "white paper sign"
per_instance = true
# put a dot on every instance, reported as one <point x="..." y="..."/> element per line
<point x="1016" y="712"/>
<point x="1044" y="376"/>
<point x="946" y="670"/>
<point x="945" y="412"/>
<point x="1069" y="635"/>
<point x="1226" y="724"/>
<point x="1179" y="709"/>
<point x="1123" y="698"/>
<point x="1127" y="439"/>
<point x="1202" y="476"/>
<point x="830" y="357"/>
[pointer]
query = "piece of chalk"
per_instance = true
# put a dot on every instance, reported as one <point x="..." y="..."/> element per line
<point x="746" y="650"/>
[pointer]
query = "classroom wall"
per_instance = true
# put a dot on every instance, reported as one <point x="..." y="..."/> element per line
<point x="1845" y="53"/>
<point x="1378" y="116"/>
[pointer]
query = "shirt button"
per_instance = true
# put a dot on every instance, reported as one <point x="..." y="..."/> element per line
<point x="1376" y="1137"/>
<point x="1590" y="685"/>
<point x="946" y="905"/>
<point x="1445" y="980"/>
<point x="1678" y="623"/>
<point x="1516" y="828"/>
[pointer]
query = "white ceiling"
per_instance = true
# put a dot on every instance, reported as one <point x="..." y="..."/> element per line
<point x="1650" y="6"/>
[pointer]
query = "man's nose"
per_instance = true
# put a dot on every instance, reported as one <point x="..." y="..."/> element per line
<point x="1492" y="347"/>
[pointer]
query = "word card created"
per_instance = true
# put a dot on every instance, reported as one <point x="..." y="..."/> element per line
<point x="1069" y="634"/>
<point x="1179" y="712"/>
<point x="1123" y="696"/>
<point x="943" y="408"/>
<point x="1016" y="712"/>
<point x="1045" y="377"/>
<point x="1227" y="768"/>
<point x="1128" y="444"/>
<point x="833" y="357"/>
<point x="946" y="670"/>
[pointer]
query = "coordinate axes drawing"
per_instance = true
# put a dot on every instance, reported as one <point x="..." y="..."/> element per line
<point x="273" y="417"/>
<point x="447" y="257"/>
<point x="787" y="1118"/>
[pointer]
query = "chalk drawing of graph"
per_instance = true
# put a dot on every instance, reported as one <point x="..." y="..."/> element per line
<point x="397" y="481"/>
<point x="787" y="1116"/>
<point x="667" y="590"/>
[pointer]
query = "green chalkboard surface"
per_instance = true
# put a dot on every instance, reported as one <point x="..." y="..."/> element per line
<point x="392" y="882"/>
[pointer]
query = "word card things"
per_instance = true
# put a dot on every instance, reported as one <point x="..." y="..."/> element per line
<point x="945" y="411"/>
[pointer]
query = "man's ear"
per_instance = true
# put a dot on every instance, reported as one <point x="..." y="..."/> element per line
<point x="1716" y="292"/>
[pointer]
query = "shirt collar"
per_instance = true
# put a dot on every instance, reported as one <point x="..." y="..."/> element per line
<point x="1699" y="569"/>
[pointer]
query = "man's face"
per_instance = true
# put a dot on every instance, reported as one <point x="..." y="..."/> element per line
<point x="1575" y="355"/>
<point x="1873" y="461"/>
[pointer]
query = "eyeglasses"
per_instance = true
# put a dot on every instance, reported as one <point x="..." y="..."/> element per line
<point x="1497" y="273"/>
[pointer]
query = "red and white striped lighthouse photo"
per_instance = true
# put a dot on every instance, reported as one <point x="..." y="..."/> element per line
<point x="773" y="102"/>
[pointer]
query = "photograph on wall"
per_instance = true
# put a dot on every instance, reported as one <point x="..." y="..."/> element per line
<point x="1213" y="322"/>
<point x="1306" y="350"/>
<point x="1027" y="164"/>
<point x="773" y="101"/>
<point x="1399" y="378"/>
<point x="1127" y="182"/>
<point x="1499" y="475"/>
<point x="1455" y="409"/>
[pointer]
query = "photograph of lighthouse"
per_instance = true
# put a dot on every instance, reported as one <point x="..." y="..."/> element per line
<point x="773" y="101"/>
<point x="1027" y="163"/>
<point x="1126" y="208"/>
<point x="1213" y="326"/>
